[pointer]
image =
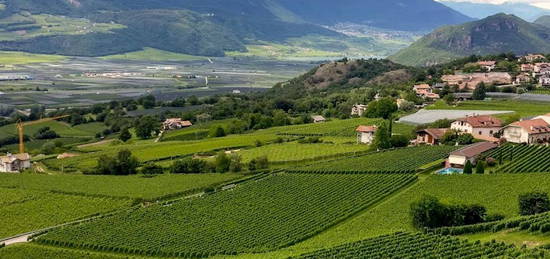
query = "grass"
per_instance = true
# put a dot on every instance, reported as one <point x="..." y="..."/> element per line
<point x="516" y="237"/>
<point x="20" y="58"/>
<point x="540" y="91"/>
<point x="36" y="251"/>
<point x="151" y="54"/>
<point x="61" y="128"/>
<point x="131" y="187"/>
<point x="522" y="108"/>
<point x="26" y="210"/>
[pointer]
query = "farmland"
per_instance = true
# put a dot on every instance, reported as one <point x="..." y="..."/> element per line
<point x="393" y="160"/>
<point x="25" y="210"/>
<point x="34" y="251"/>
<point x="318" y="201"/>
<point x="521" y="159"/>
<point x="521" y="108"/>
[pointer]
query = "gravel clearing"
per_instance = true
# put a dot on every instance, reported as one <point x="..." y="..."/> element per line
<point x="429" y="116"/>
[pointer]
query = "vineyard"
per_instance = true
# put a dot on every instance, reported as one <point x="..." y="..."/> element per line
<point x="406" y="159"/>
<point x="34" y="251"/>
<point x="131" y="187"/>
<point x="23" y="210"/>
<point x="521" y="159"/>
<point x="270" y="213"/>
<point x="417" y="245"/>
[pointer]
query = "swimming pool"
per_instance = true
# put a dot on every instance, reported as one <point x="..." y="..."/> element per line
<point x="450" y="170"/>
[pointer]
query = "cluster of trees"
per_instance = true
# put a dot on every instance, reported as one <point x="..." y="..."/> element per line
<point x="222" y="163"/>
<point x="453" y="137"/>
<point x="429" y="212"/>
<point x="45" y="133"/>
<point x="533" y="203"/>
<point x="124" y="163"/>
<point x="469" y="168"/>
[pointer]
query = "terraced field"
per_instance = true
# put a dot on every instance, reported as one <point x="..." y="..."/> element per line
<point x="24" y="210"/>
<point x="405" y="159"/>
<point x="270" y="213"/>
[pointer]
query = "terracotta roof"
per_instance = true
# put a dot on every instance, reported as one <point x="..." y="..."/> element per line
<point x="482" y="121"/>
<point x="533" y="126"/>
<point x="436" y="133"/>
<point x="487" y="63"/>
<point x="422" y="86"/>
<point x="363" y="128"/>
<point x="475" y="149"/>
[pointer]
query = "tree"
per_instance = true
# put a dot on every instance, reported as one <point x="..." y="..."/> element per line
<point x="236" y="164"/>
<point x="125" y="135"/>
<point x="468" y="168"/>
<point x="449" y="99"/>
<point x="151" y="169"/>
<point x="258" y="163"/>
<point x="45" y="133"/>
<point x="428" y="213"/>
<point x="382" y="108"/>
<point x="126" y="163"/>
<point x="145" y="126"/>
<point x="223" y="162"/>
<point x="382" y="138"/>
<point x="480" y="167"/>
<point x="533" y="203"/>
<point x="189" y="166"/>
<point x="147" y="102"/>
<point x="217" y="132"/>
<point x="480" y="93"/>
<point x="399" y="141"/>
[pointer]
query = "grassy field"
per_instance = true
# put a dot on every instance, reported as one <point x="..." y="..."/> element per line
<point x="25" y="210"/>
<point x="131" y="187"/>
<point x="269" y="213"/>
<point x="36" y="251"/>
<point x="522" y="108"/>
<point x="150" y="54"/>
<point x="61" y="128"/>
<point x="20" y="58"/>
<point x="518" y="237"/>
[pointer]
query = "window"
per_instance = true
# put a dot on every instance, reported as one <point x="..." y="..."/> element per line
<point x="480" y="132"/>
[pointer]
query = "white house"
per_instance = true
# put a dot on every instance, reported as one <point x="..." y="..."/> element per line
<point x="365" y="134"/>
<point x="459" y="158"/>
<point x="544" y="80"/>
<point x="318" y="119"/>
<point x="481" y="126"/>
<point x="528" y="131"/>
<point x="15" y="163"/>
<point x="358" y="109"/>
<point x="175" y="123"/>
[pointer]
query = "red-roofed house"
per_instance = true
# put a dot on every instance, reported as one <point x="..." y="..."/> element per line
<point x="527" y="68"/>
<point x="488" y="65"/>
<point x="481" y="125"/>
<point x="459" y="158"/>
<point x="528" y="131"/>
<point x="430" y="136"/>
<point x="365" y="134"/>
<point x="175" y="123"/>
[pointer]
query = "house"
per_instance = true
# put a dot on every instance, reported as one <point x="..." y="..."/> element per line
<point x="459" y="158"/>
<point x="318" y="119"/>
<point x="522" y="78"/>
<point x="425" y="90"/>
<point x="534" y="57"/>
<point x="528" y="131"/>
<point x="175" y="123"/>
<point x="481" y="126"/>
<point x="539" y="67"/>
<point x="15" y="163"/>
<point x="487" y="65"/>
<point x="544" y="80"/>
<point x="527" y="68"/>
<point x="545" y="117"/>
<point x="431" y="136"/>
<point x="365" y="134"/>
<point x="358" y="109"/>
<point x="470" y="81"/>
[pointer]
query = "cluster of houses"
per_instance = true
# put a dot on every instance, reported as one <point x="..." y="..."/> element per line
<point x="469" y="81"/>
<point x="425" y="91"/>
<point x="541" y="71"/>
<point x="11" y="163"/>
<point x="175" y="123"/>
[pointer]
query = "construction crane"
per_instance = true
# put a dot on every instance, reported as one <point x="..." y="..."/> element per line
<point x="21" y="125"/>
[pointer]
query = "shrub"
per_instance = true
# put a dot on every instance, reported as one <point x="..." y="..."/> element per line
<point x="152" y="169"/>
<point x="533" y="203"/>
<point x="189" y="166"/>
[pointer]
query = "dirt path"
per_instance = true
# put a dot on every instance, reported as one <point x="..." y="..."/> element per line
<point x="16" y="240"/>
<point x="96" y="143"/>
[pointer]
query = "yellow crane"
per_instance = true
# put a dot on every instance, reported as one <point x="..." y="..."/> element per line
<point x="21" y="125"/>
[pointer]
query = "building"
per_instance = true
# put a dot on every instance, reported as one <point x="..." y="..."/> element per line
<point x="15" y="163"/>
<point x="527" y="68"/>
<point x="487" y="65"/>
<point x="318" y="119"/>
<point x="545" y="117"/>
<point x="544" y="80"/>
<point x="534" y="57"/>
<point x="522" y="78"/>
<point x="481" y="126"/>
<point x="430" y="136"/>
<point x="470" y="81"/>
<point x="358" y="109"/>
<point x="528" y="131"/>
<point x="175" y="123"/>
<point x="459" y="158"/>
<point x="539" y="67"/>
<point x="425" y="90"/>
<point x="365" y="134"/>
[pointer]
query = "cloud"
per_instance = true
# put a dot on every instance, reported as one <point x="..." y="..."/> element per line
<point x="539" y="3"/>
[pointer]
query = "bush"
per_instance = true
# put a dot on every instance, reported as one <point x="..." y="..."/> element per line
<point x="217" y="132"/>
<point x="399" y="141"/>
<point x="152" y="169"/>
<point x="46" y="133"/>
<point x="258" y="163"/>
<point x="189" y="166"/>
<point x="123" y="164"/>
<point x="533" y="203"/>
<point x="430" y="213"/>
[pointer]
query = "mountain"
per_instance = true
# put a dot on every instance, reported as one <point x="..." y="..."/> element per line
<point x="197" y="27"/>
<point x="544" y="20"/>
<point x="410" y="15"/>
<point x="499" y="33"/>
<point x="480" y="11"/>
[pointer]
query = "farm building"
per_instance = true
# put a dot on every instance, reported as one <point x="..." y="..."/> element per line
<point x="15" y="163"/>
<point x="430" y="136"/>
<point x="318" y="119"/>
<point x="365" y="134"/>
<point x="358" y="109"/>
<point x="528" y="131"/>
<point x="175" y="123"/>
<point x="458" y="159"/>
<point x="481" y="126"/>
<point x="487" y="65"/>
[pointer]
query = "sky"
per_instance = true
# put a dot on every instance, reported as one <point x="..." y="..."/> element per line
<point x="539" y="3"/>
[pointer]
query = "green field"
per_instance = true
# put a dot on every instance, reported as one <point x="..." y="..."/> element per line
<point x="522" y="108"/>
<point x="25" y="210"/>
<point x="8" y="58"/>
<point x="521" y="159"/>
<point x="277" y="211"/>
<point x="540" y="91"/>
<point x="61" y="128"/>
<point x="131" y="187"/>
<point x="150" y="54"/>
<point x="35" y="251"/>
<point x="392" y="160"/>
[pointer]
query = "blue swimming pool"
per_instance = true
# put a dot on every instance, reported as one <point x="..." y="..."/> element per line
<point x="450" y="170"/>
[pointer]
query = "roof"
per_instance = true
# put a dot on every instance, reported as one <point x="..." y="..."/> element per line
<point x="474" y="149"/>
<point x="482" y="121"/>
<point x="434" y="132"/>
<point x="9" y="158"/>
<point x="318" y="117"/>
<point x="487" y="63"/>
<point x="422" y="86"/>
<point x="533" y="126"/>
<point x="366" y="129"/>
